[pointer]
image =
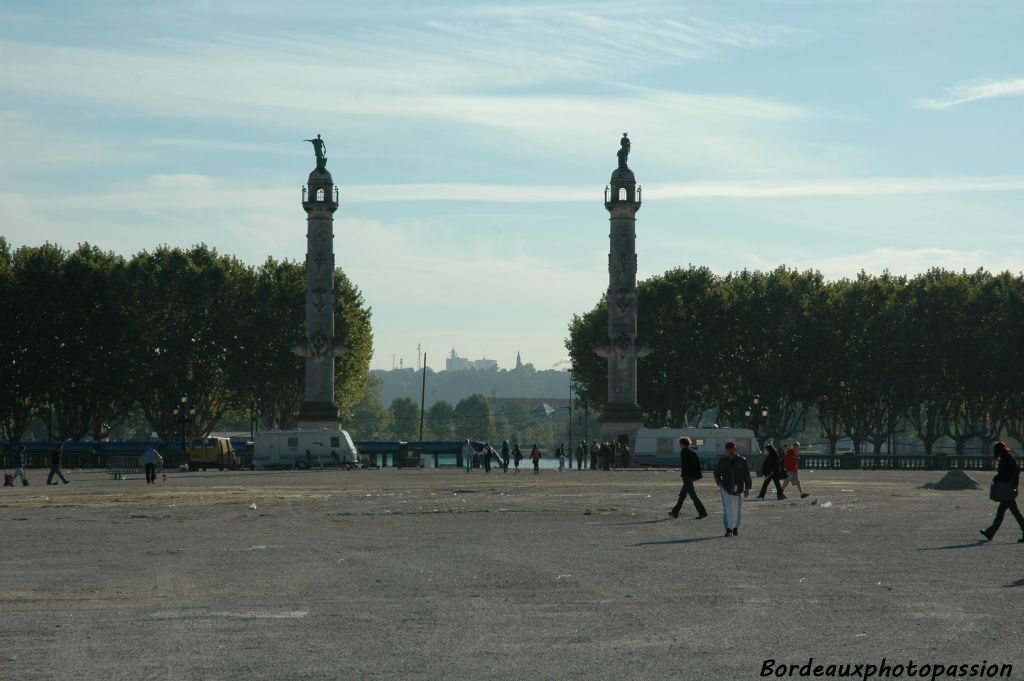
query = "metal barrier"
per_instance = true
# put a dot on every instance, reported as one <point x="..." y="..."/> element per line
<point x="911" y="462"/>
<point x="120" y="466"/>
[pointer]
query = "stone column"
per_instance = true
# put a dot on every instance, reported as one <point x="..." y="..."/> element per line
<point x="320" y="346"/>
<point x="622" y="415"/>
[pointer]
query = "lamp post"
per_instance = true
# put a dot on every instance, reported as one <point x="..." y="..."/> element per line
<point x="756" y="413"/>
<point x="185" y="414"/>
<point x="572" y="445"/>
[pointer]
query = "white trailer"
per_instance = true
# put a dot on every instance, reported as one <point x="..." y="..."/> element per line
<point x="660" y="446"/>
<point x="303" y="449"/>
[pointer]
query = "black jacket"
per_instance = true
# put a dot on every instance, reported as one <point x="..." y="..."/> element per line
<point x="772" y="464"/>
<point x="689" y="464"/>
<point x="733" y="474"/>
<point x="1008" y="470"/>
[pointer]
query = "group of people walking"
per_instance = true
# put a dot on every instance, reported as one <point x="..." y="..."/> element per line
<point x="784" y="470"/>
<point x="508" y="455"/>
<point x="596" y="456"/>
<point x="732" y="477"/>
<point x="21" y="462"/>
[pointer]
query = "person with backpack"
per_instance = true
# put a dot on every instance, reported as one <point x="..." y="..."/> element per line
<point x="732" y="475"/>
<point x="1007" y="475"/>
<point x="689" y="471"/>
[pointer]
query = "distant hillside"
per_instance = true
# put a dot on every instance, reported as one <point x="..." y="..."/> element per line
<point x="453" y="386"/>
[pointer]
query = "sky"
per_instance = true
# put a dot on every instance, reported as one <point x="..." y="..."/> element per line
<point x="471" y="143"/>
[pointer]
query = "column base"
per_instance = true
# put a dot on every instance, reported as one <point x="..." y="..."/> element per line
<point x="317" y="415"/>
<point x="620" y="422"/>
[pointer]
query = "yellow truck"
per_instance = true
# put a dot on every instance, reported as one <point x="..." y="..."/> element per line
<point x="212" y="452"/>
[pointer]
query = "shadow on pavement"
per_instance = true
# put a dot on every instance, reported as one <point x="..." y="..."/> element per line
<point x="677" y="541"/>
<point x="1019" y="582"/>
<point x="640" y="522"/>
<point x="980" y="542"/>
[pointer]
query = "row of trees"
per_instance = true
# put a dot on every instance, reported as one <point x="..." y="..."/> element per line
<point x="938" y="355"/>
<point x="472" y="417"/>
<point x="91" y="339"/>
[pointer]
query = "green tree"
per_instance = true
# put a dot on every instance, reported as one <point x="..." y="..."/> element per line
<point x="93" y="393"/>
<point x="188" y="344"/>
<point x="39" y="327"/>
<point x="275" y="374"/>
<point x="928" y="355"/>
<point x="370" y="419"/>
<point x="405" y="416"/>
<point x="474" y="418"/>
<point x="274" y="321"/>
<point x="441" y="420"/>
<point x="16" y="398"/>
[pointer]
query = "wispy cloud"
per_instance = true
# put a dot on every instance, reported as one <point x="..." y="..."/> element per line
<point x="871" y="186"/>
<point x="972" y="92"/>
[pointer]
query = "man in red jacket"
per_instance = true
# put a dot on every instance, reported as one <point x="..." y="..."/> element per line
<point x="790" y="465"/>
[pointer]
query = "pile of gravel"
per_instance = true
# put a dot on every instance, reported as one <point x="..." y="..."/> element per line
<point x="955" y="480"/>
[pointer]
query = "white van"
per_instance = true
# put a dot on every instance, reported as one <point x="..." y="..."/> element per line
<point x="660" y="446"/>
<point x="303" y="449"/>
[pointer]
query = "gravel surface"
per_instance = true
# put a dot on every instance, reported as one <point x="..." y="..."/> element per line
<point x="437" y="574"/>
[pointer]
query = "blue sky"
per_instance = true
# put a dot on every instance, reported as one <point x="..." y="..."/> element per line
<point x="471" y="142"/>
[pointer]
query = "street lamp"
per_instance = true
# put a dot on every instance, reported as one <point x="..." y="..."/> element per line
<point x="757" y="413"/>
<point x="185" y="414"/>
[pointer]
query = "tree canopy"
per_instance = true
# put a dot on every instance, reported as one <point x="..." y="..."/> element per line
<point x="936" y="353"/>
<point x="93" y="339"/>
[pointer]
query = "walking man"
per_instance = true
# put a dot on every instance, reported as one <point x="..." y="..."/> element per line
<point x="689" y="470"/>
<point x="56" y="458"/>
<point x="467" y="455"/>
<point x="581" y="454"/>
<point x="505" y="453"/>
<point x="772" y="471"/>
<point x="19" y="467"/>
<point x="790" y="464"/>
<point x="561" y="457"/>
<point x="732" y="475"/>
<point x="151" y="458"/>
<point x="487" y="454"/>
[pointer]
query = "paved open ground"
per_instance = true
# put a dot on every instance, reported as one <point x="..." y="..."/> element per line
<point x="434" y="574"/>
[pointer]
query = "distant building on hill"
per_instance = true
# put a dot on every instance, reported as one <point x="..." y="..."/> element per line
<point x="456" y="363"/>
